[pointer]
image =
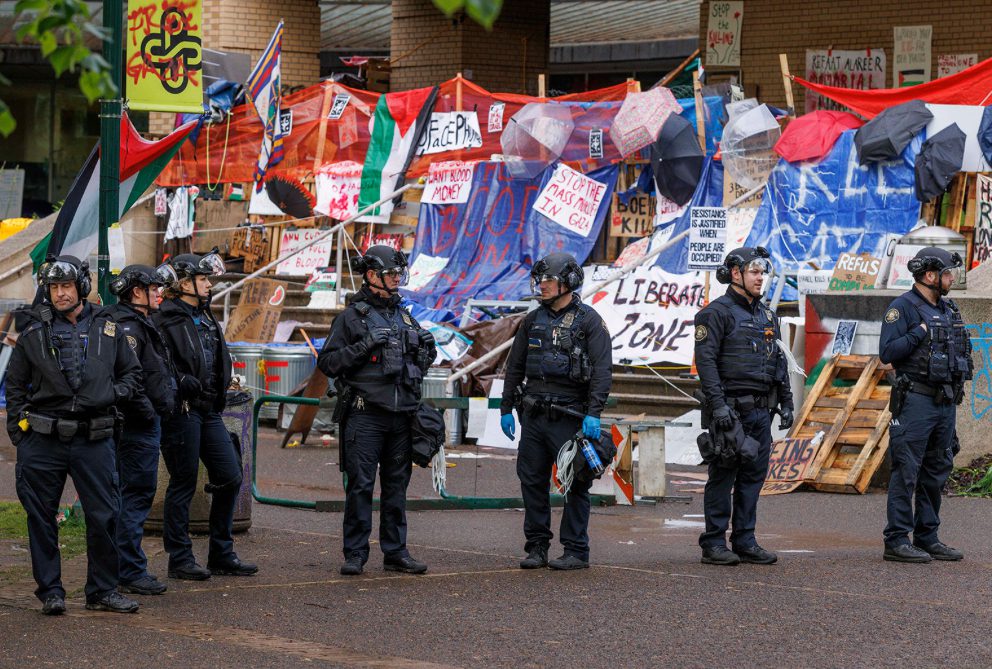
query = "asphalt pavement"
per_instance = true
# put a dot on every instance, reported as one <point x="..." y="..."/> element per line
<point x="831" y="601"/>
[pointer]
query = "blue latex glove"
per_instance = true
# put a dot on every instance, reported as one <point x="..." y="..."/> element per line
<point x="508" y="425"/>
<point x="590" y="427"/>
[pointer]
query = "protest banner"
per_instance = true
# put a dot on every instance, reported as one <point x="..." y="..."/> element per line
<point x="258" y="311"/>
<point x="953" y="63"/>
<point x="650" y="314"/>
<point x="707" y="237"/>
<point x="862" y="69"/>
<point x="163" y="71"/>
<point x="305" y="262"/>
<point x="855" y="271"/>
<point x="635" y="218"/>
<point x="448" y="182"/>
<point x="450" y="131"/>
<point x="982" y="244"/>
<point x="723" y="34"/>
<point x="571" y="199"/>
<point x="338" y="186"/>
<point x="495" y="120"/>
<point x="787" y="465"/>
<point x="899" y="275"/>
<point x="911" y="55"/>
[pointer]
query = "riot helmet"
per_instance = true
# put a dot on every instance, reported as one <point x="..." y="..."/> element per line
<point x="934" y="259"/>
<point x="141" y="276"/>
<point x="383" y="261"/>
<point x="745" y="258"/>
<point x="560" y="267"/>
<point x="189" y="266"/>
<point x="65" y="269"/>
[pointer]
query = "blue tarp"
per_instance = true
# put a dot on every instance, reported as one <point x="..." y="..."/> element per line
<point x="492" y="240"/>
<point x="709" y="193"/>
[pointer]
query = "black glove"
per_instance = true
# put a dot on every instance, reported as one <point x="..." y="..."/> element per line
<point x="190" y="386"/>
<point x="144" y="410"/>
<point x="426" y="338"/>
<point x="787" y="418"/>
<point x="723" y="418"/>
<point x="121" y="392"/>
<point x="375" y="337"/>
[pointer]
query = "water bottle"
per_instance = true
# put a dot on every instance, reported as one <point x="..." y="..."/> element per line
<point x="592" y="458"/>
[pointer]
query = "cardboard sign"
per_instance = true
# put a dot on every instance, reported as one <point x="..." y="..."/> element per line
<point x="954" y="63"/>
<point x="634" y="219"/>
<point x="448" y="183"/>
<point x="496" y="110"/>
<point x="732" y="191"/>
<point x="450" y="131"/>
<point x="338" y="106"/>
<point x="337" y="189"/>
<point x="855" y="272"/>
<point x="571" y="199"/>
<point x="790" y="458"/>
<point x="707" y="237"/>
<point x="911" y="55"/>
<point x="982" y="245"/>
<point x="258" y="311"/>
<point x="723" y="34"/>
<point x="305" y="262"/>
<point x="862" y="69"/>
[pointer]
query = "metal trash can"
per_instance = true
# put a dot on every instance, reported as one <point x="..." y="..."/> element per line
<point x="237" y="418"/>
<point x="436" y="385"/>
<point x="245" y="359"/>
<point x="285" y="367"/>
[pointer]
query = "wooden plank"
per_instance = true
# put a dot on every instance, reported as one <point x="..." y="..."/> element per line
<point x="830" y="402"/>
<point x="868" y="473"/>
<point x="822" y="382"/>
<point x="874" y="404"/>
<point x="871" y="448"/>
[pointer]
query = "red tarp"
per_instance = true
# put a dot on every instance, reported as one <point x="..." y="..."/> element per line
<point x="968" y="87"/>
<point x="347" y="138"/>
<point x="811" y="136"/>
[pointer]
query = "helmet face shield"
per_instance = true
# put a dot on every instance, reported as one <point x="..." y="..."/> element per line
<point x="401" y="272"/>
<point x="211" y="265"/>
<point x="758" y="264"/>
<point x="537" y="279"/>
<point x="57" y="271"/>
<point x="166" y="274"/>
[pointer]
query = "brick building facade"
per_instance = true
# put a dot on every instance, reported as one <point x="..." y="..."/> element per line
<point x="771" y="27"/>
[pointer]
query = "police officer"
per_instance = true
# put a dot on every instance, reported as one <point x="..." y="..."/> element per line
<point x="378" y="353"/>
<point x="196" y="431"/>
<point x="744" y="378"/>
<point x="924" y="338"/>
<point x="138" y="289"/>
<point x="70" y="366"/>
<point x="563" y="351"/>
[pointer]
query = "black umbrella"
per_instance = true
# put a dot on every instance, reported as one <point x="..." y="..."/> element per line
<point x="290" y="195"/>
<point x="939" y="160"/>
<point x="677" y="160"/>
<point x="985" y="135"/>
<point x="885" y="136"/>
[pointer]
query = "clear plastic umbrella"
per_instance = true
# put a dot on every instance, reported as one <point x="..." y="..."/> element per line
<point x="748" y="146"/>
<point x="535" y="137"/>
<point x="640" y="119"/>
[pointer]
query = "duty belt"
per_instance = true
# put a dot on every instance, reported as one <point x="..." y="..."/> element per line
<point x="922" y="389"/>
<point x="760" y="401"/>
<point x="66" y="429"/>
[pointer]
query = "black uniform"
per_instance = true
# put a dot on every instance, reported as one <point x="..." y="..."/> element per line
<point x="72" y="374"/>
<point x="931" y="368"/>
<point x="384" y="386"/>
<point x="566" y="358"/>
<point x="138" y="445"/>
<point x="196" y="431"/>
<point x="739" y="366"/>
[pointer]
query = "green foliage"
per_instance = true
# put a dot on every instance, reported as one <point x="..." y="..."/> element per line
<point x="59" y="27"/>
<point x="72" y="528"/>
<point x="483" y="12"/>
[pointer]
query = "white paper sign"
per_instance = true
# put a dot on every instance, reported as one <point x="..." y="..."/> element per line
<point x="337" y="190"/>
<point x="450" y="131"/>
<point x="899" y="274"/>
<point x="338" y="106"/>
<point x="954" y="63"/>
<point x="707" y="237"/>
<point x="423" y="269"/>
<point x="571" y="199"/>
<point x="448" y="183"/>
<point x="650" y="314"/>
<point x="723" y="34"/>
<point x="811" y="281"/>
<point x="496" y="110"/>
<point x="305" y="262"/>
<point x="911" y="55"/>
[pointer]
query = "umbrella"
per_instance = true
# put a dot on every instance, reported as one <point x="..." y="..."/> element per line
<point x="535" y="137"/>
<point x="748" y="146"/>
<point x="985" y="135"/>
<point x="640" y="118"/>
<point x="290" y="195"/>
<point x="677" y="160"/>
<point x="811" y="137"/>
<point x="939" y="160"/>
<point x="885" y="136"/>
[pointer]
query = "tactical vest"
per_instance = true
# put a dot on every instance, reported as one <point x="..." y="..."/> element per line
<point x="71" y="342"/>
<point x="944" y="356"/>
<point x="395" y="362"/>
<point x="748" y="354"/>
<point x="209" y="340"/>
<point x="557" y="356"/>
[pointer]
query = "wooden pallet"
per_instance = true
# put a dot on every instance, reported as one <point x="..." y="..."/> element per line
<point x="850" y="403"/>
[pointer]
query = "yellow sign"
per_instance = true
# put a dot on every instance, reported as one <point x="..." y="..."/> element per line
<point x="164" y="55"/>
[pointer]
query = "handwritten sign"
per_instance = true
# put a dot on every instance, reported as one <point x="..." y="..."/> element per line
<point x="448" y="183"/>
<point x="634" y="219"/>
<point x="424" y="268"/>
<point x="864" y="69"/>
<point x="571" y="199"/>
<point x="954" y="63"/>
<point x="855" y="272"/>
<point x="899" y="274"/>
<point x="982" y="248"/>
<point x="496" y="110"/>
<point x="723" y="34"/>
<point x="790" y="458"/>
<point x="337" y="189"/>
<point x="911" y="55"/>
<point x="258" y="311"/>
<point x="733" y="191"/>
<point x="450" y="131"/>
<point x="707" y="237"/>
<point x="305" y="262"/>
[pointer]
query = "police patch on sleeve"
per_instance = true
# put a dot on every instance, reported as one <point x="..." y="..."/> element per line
<point x="132" y="342"/>
<point x="701" y="332"/>
<point x="892" y="315"/>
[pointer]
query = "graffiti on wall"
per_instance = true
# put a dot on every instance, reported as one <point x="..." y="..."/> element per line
<point x="981" y="386"/>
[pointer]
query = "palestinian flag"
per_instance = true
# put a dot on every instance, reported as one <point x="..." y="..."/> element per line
<point x="400" y="118"/>
<point x="77" y="226"/>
